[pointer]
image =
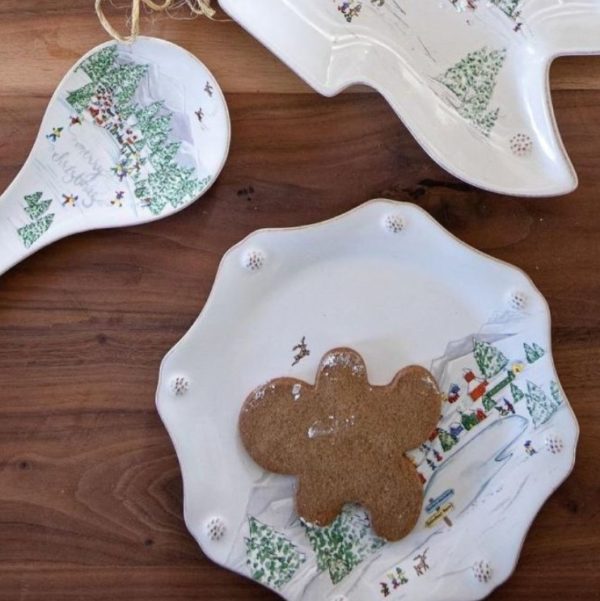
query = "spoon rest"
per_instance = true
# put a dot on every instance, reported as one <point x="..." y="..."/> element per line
<point x="132" y="134"/>
<point x="469" y="78"/>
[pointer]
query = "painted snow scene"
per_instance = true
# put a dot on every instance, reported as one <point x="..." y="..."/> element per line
<point x="505" y="439"/>
<point x="500" y="428"/>
<point x="467" y="77"/>
<point x="133" y="133"/>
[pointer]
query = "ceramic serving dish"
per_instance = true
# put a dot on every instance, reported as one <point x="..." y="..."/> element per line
<point x="133" y="133"/>
<point x="386" y="280"/>
<point x="469" y="78"/>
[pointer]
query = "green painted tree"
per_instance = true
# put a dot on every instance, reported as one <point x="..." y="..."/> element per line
<point x="344" y="544"/>
<point x="107" y="74"/>
<point x="508" y="7"/>
<point x="33" y="231"/>
<point x="164" y="156"/>
<point x="124" y="80"/>
<point x="488" y="402"/>
<point x="472" y="81"/>
<point x="36" y="209"/>
<point x="446" y="439"/>
<point x="540" y="407"/>
<point x="271" y="557"/>
<point x="490" y="360"/>
<point x="80" y="99"/>
<point x="556" y="394"/>
<point x="97" y="65"/>
<point x="150" y="159"/>
<point x="517" y="393"/>
<point x="172" y="185"/>
<point x="533" y="352"/>
<point x="156" y="131"/>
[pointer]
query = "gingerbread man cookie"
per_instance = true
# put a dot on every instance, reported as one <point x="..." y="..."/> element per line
<point x="346" y="439"/>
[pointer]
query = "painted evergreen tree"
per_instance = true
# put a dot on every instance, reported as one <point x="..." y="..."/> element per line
<point x="472" y="81"/>
<point x="540" y="407"/>
<point x="344" y="544"/>
<point x="508" y="7"/>
<point x="99" y="63"/>
<point x="490" y="360"/>
<point x="164" y="155"/>
<point x="271" y="557"/>
<point x="556" y="394"/>
<point x="36" y="209"/>
<point x="171" y="184"/>
<point x="124" y="80"/>
<point x="142" y="132"/>
<point x="533" y="352"/>
<point x="447" y="440"/>
<point x="517" y="393"/>
<point x="488" y="402"/>
<point x="153" y="125"/>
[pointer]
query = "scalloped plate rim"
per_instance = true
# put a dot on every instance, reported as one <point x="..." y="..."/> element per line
<point x="515" y="553"/>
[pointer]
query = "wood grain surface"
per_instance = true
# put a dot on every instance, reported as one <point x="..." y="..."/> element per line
<point x="90" y="490"/>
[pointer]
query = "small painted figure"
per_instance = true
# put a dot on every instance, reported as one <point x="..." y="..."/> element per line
<point x="55" y="134"/>
<point x="454" y="393"/>
<point x="529" y="448"/>
<point x="303" y="351"/>
<point x="117" y="201"/>
<point x="70" y="200"/>
<point x="421" y="566"/>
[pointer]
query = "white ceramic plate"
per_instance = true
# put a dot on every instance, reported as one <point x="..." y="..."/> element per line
<point x="469" y="78"/>
<point x="388" y="281"/>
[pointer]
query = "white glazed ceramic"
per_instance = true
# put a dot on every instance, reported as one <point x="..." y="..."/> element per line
<point x="388" y="281"/>
<point x="133" y="133"/>
<point x="469" y="78"/>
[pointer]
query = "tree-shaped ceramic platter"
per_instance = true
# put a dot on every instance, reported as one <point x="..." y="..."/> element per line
<point x="386" y="280"/>
<point x="469" y="78"/>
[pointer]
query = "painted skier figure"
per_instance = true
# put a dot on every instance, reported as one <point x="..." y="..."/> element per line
<point x="454" y="393"/>
<point x="422" y="566"/>
<point x="529" y="448"/>
<point x="70" y="200"/>
<point x="117" y="201"/>
<point x="509" y="406"/>
<point x="55" y="134"/>
<point x="385" y="589"/>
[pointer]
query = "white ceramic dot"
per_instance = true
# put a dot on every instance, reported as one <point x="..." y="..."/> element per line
<point x="215" y="529"/>
<point x="253" y="260"/>
<point x="180" y="385"/>
<point x="482" y="571"/>
<point x="554" y="443"/>
<point x="394" y="223"/>
<point x="517" y="300"/>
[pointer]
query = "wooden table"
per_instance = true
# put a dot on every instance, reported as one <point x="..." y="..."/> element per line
<point x="90" y="490"/>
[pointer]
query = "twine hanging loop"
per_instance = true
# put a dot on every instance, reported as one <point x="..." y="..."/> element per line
<point x="196" y="7"/>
